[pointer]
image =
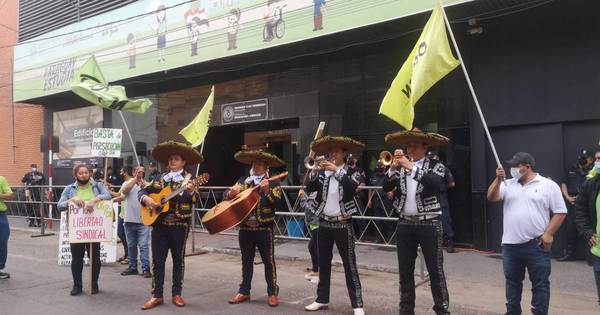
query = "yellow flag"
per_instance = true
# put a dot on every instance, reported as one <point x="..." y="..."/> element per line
<point x="89" y="83"/>
<point x="430" y="60"/>
<point x="195" y="132"/>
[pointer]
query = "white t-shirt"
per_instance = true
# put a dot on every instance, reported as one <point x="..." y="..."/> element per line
<point x="527" y="208"/>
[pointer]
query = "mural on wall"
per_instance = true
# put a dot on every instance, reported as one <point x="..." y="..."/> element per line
<point x="149" y="36"/>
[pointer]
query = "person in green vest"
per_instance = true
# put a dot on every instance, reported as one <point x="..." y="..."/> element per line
<point x="587" y="216"/>
<point x="5" y="194"/>
<point x="85" y="192"/>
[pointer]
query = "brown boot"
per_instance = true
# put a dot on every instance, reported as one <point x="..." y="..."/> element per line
<point x="239" y="298"/>
<point x="152" y="303"/>
<point x="273" y="300"/>
<point x="178" y="301"/>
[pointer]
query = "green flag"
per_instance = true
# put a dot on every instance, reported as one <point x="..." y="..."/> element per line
<point x="430" y="60"/>
<point x="89" y="83"/>
<point x="196" y="130"/>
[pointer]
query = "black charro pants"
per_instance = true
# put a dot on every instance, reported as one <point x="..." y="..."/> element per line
<point x="342" y="235"/>
<point x="167" y="238"/>
<point x="77" y="252"/>
<point x="429" y="235"/>
<point x="263" y="239"/>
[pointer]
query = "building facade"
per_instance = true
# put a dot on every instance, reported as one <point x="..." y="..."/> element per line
<point x="533" y="67"/>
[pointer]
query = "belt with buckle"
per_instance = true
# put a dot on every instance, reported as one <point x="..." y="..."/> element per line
<point x="339" y="218"/>
<point x="419" y="218"/>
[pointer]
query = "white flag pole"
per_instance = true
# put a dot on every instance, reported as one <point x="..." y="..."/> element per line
<point x="201" y="150"/>
<point x="137" y="159"/>
<point x="462" y="64"/>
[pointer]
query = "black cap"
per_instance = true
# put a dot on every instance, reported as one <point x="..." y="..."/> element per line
<point x="521" y="158"/>
<point x="584" y="154"/>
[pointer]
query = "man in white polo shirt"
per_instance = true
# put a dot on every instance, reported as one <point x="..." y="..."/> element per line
<point x="529" y="200"/>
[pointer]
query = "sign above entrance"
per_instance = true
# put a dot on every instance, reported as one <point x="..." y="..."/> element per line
<point x="243" y="112"/>
<point x="150" y="36"/>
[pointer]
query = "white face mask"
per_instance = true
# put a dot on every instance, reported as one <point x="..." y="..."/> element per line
<point x="515" y="173"/>
<point x="33" y="169"/>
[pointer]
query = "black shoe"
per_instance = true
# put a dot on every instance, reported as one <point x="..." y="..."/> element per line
<point x="146" y="274"/>
<point x="76" y="290"/>
<point x="567" y="257"/>
<point x="95" y="289"/>
<point x="450" y="248"/>
<point x="129" y="272"/>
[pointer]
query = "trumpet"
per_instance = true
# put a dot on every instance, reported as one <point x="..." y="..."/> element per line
<point x="312" y="163"/>
<point x="386" y="158"/>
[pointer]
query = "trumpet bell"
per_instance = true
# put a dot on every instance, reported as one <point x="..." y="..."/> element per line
<point x="309" y="162"/>
<point x="386" y="158"/>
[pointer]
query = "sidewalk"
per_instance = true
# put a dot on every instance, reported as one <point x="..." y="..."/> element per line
<point x="475" y="280"/>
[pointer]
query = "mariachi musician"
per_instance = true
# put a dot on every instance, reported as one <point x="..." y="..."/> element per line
<point x="170" y="232"/>
<point x="257" y="229"/>
<point x="335" y="184"/>
<point x="416" y="182"/>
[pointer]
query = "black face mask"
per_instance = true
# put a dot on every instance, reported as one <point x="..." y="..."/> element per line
<point x="83" y="182"/>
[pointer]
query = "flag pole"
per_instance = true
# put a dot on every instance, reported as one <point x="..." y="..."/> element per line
<point x="462" y="64"/>
<point x="201" y="150"/>
<point x="137" y="159"/>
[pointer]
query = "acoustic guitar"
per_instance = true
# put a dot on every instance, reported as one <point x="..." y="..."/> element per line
<point x="149" y="216"/>
<point x="231" y="213"/>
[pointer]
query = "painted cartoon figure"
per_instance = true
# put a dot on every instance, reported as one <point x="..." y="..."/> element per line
<point x="131" y="50"/>
<point x="196" y="20"/>
<point x="234" y="26"/>
<point x="318" y="14"/>
<point x="274" y="23"/>
<point x="161" y="32"/>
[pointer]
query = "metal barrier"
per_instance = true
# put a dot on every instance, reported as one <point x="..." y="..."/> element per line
<point x="374" y="226"/>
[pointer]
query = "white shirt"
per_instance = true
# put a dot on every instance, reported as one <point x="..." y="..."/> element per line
<point x="410" y="205"/>
<point x="175" y="177"/>
<point x="527" y="208"/>
<point x="332" y="204"/>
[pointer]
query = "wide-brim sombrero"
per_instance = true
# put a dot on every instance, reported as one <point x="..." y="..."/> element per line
<point x="163" y="151"/>
<point x="323" y="145"/>
<point x="249" y="156"/>
<point x="402" y="138"/>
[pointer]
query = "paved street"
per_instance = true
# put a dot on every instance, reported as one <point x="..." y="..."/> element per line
<point x="39" y="286"/>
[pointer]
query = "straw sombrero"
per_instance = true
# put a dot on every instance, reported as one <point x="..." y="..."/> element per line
<point x="402" y="138"/>
<point x="163" y="151"/>
<point x="323" y="145"/>
<point x="249" y="156"/>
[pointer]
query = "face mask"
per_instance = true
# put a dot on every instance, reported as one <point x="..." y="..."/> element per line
<point x="83" y="182"/>
<point x="33" y="169"/>
<point x="597" y="166"/>
<point x="514" y="172"/>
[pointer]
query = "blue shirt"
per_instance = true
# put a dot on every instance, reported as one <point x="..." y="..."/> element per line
<point x="318" y="5"/>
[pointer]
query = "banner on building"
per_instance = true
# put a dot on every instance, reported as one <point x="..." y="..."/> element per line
<point x="149" y="36"/>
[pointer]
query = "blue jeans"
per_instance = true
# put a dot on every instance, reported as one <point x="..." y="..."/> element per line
<point x="517" y="257"/>
<point x="596" y="264"/>
<point x="4" y="234"/>
<point x="137" y="235"/>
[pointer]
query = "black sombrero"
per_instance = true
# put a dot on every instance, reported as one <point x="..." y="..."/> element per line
<point x="402" y="138"/>
<point x="163" y="151"/>
<point x="323" y="145"/>
<point x="249" y="156"/>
